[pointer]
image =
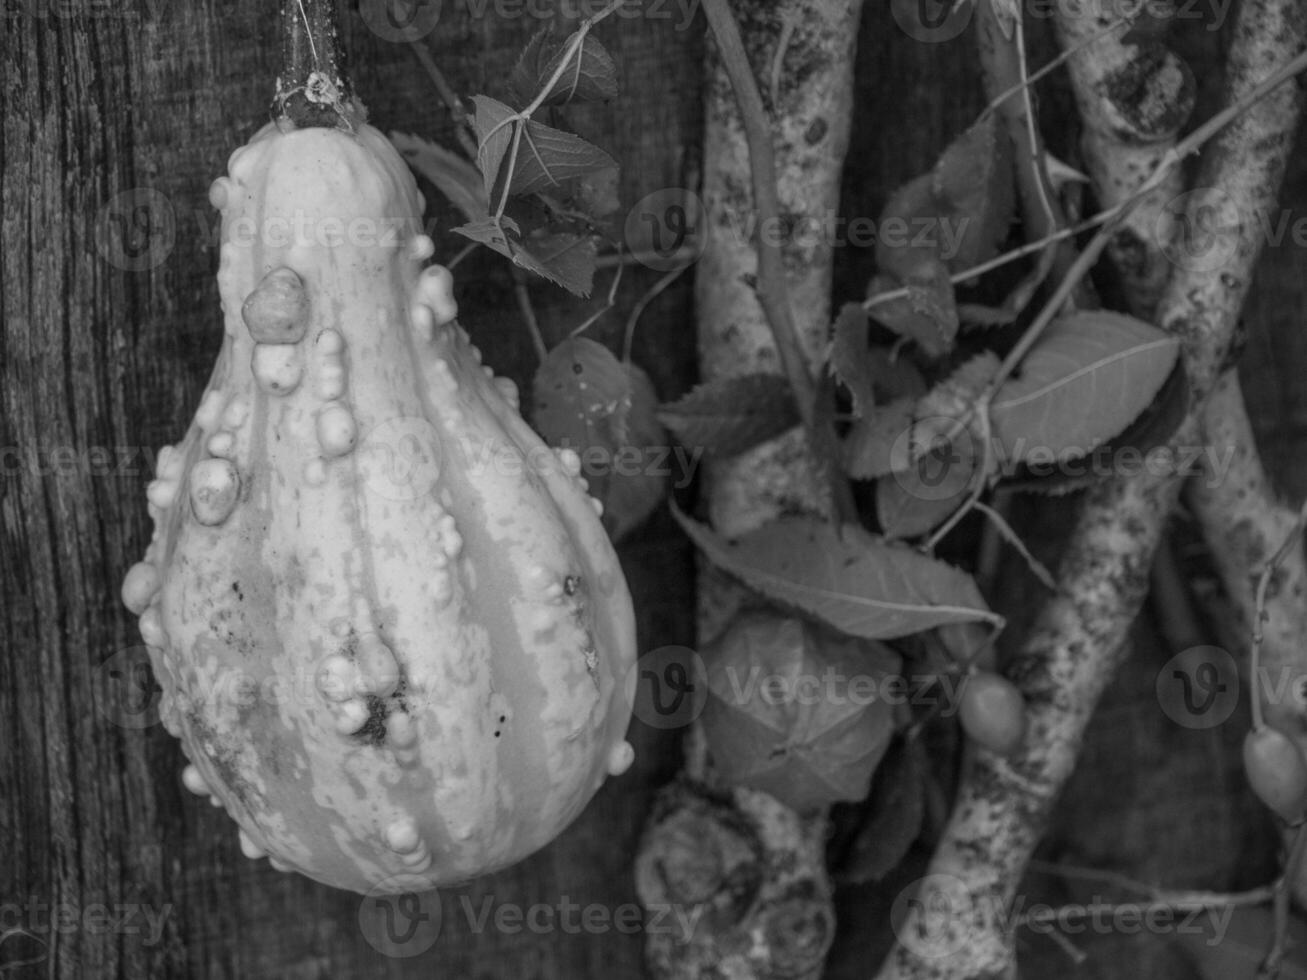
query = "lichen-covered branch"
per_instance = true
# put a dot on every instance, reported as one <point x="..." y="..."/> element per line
<point x="958" y="928"/>
<point x="1132" y="100"/>
<point x="755" y="866"/>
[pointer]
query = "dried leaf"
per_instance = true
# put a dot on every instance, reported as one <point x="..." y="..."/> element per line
<point x="901" y="249"/>
<point x="853" y="581"/>
<point x="973" y="179"/>
<point x="850" y="358"/>
<point x="453" y="176"/>
<point x="1089" y="376"/>
<point x="793" y="710"/>
<point x="879" y="443"/>
<point x="727" y="416"/>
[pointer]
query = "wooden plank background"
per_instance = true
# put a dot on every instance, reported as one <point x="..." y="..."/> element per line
<point x="111" y="108"/>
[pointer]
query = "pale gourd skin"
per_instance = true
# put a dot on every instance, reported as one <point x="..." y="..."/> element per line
<point x="390" y="630"/>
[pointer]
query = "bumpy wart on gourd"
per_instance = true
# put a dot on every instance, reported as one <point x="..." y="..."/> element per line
<point x="390" y="630"/>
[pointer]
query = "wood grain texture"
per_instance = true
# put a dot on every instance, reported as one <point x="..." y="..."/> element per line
<point x="118" y="115"/>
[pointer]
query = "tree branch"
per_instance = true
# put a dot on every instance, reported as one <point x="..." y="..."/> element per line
<point x="772" y="288"/>
<point x="1078" y="640"/>
<point x="757" y="866"/>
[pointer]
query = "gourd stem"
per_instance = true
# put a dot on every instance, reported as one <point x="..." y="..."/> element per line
<point x="314" y="88"/>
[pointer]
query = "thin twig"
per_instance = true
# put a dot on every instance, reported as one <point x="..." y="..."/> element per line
<point x="528" y="312"/>
<point x="1062" y="57"/>
<point x="637" y="311"/>
<point x="1009" y="535"/>
<point x="1020" y="252"/>
<point x="1080" y="268"/>
<point x="1293" y="539"/>
<point x="462" y="126"/>
<point x="1274" y="959"/>
<point x="608" y="304"/>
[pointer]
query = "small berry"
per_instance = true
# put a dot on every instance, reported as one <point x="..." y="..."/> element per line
<point x="992" y="712"/>
<point x="1276" y="771"/>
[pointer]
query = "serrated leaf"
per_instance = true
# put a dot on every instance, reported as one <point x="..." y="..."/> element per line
<point x="525" y="81"/>
<point x="851" y="580"/>
<point x="494" y="137"/>
<point x="1124" y="453"/>
<point x="729" y="415"/>
<point x="901" y="253"/>
<point x="850" y="358"/>
<point x="973" y="178"/>
<point x="635" y="493"/>
<point x="1089" y="376"/>
<point x="928" y="314"/>
<point x="568" y="260"/>
<point x="898" y="806"/>
<point x="955" y="396"/>
<point x="768" y="729"/>
<point x="591" y="75"/>
<point x="879" y="443"/>
<point x="580" y="398"/>
<point x="453" y="176"/>
<point x="545" y="157"/>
